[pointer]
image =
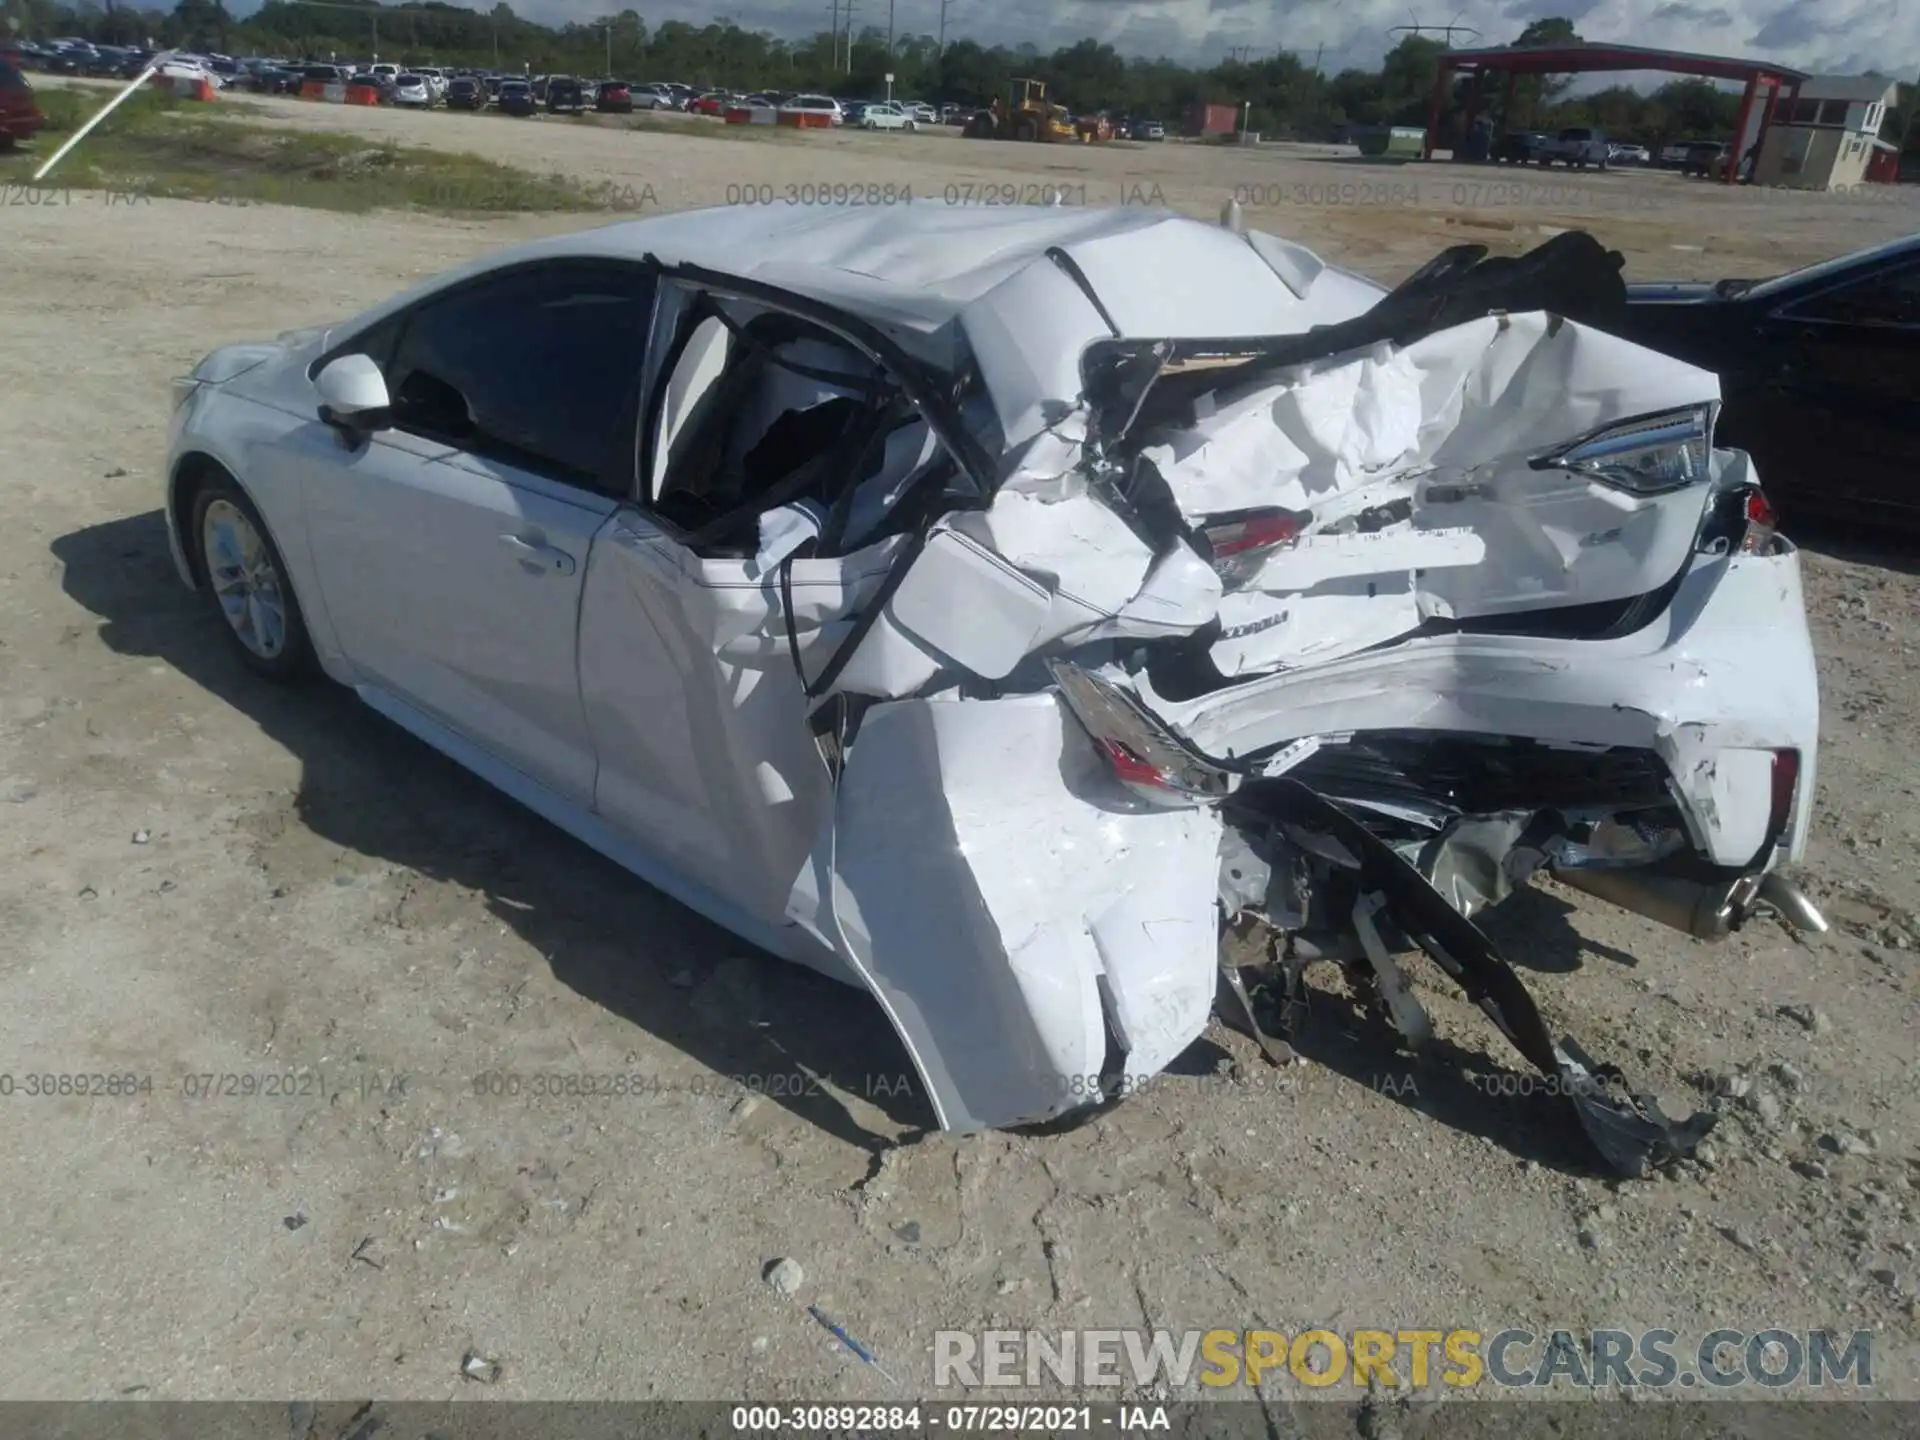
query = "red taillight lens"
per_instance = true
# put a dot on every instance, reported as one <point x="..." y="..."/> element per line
<point x="1786" y="780"/>
<point x="1240" y="543"/>
<point x="1763" y="524"/>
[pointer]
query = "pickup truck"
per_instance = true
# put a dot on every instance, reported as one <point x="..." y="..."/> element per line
<point x="1579" y="147"/>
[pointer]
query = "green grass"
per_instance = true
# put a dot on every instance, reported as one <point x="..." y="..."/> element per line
<point x="156" y="146"/>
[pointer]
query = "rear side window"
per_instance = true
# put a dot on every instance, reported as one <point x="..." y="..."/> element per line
<point x="537" y="368"/>
<point x="1891" y="299"/>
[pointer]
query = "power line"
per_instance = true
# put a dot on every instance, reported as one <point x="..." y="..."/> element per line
<point x="1447" y="30"/>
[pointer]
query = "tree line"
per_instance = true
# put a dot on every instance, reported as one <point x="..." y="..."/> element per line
<point x="1284" y="97"/>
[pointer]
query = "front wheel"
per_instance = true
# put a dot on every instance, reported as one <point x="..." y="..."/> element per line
<point x="247" y="581"/>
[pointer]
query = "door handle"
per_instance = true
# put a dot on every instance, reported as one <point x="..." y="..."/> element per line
<point x="535" y="554"/>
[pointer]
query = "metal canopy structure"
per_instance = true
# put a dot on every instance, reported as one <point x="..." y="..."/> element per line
<point x="1514" y="61"/>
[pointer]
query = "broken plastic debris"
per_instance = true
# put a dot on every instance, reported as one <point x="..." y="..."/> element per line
<point x="475" y="1366"/>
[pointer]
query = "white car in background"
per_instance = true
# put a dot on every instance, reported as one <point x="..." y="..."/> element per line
<point x="437" y="81"/>
<point x="413" y="89"/>
<point x="815" y="105"/>
<point x="921" y="111"/>
<point x="959" y="609"/>
<point x="882" y="116"/>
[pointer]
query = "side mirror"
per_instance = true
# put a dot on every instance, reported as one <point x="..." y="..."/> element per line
<point x="353" y="395"/>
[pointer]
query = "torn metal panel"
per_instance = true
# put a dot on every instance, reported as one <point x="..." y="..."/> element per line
<point x="990" y="880"/>
<point x="1033" y="386"/>
<point x="1626" y="1127"/>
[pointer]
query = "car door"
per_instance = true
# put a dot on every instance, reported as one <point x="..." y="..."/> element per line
<point x="687" y="671"/>
<point x="452" y="547"/>
<point x="1838" y="401"/>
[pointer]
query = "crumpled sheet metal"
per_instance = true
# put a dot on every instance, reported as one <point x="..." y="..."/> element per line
<point x="1626" y="1126"/>
<point x="1005" y="901"/>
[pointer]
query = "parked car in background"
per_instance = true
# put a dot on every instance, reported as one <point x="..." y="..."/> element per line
<point x="650" y="97"/>
<point x="516" y="98"/>
<point x="1673" y="156"/>
<point x="613" y="97"/>
<point x="20" y="117"/>
<point x="464" y="92"/>
<point x="413" y="90"/>
<point x="1146" y="130"/>
<point x="879" y="115"/>
<point x="381" y="85"/>
<point x="437" y="80"/>
<point x="565" y="96"/>
<point x="714" y="102"/>
<point x="1630" y="155"/>
<point x="922" y="112"/>
<point x="1519" y="147"/>
<point x="386" y="72"/>
<point x="1700" y="156"/>
<point x="815" y="105"/>
<point x="1577" y="146"/>
<point x="1819" y="369"/>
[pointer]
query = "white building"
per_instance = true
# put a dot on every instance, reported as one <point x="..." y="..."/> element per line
<point x="1822" y="136"/>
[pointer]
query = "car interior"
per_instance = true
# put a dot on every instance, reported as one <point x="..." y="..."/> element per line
<point x="761" y="410"/>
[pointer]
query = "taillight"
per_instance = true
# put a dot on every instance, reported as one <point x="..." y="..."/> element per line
<point x="1786" y="779"/>
<point x="1139" y="752"/>
<point x="1240" y="543"/>
<point x="1741" y="522"/>
<point x="1763" y="523"/>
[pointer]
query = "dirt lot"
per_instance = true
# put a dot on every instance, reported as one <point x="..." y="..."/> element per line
<point x="214" y="878"/>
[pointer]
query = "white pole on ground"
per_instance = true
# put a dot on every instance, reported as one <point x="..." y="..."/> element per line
<point x="104" y="111"/>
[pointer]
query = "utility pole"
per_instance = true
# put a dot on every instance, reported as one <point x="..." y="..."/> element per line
<point x="834" y="64"/>
<point x="943" y="26"/>
<point x="849" y="13"/>
<point x="889" y="32"/>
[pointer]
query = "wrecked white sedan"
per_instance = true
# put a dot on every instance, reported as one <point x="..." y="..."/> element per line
<point x="989" y="607"/>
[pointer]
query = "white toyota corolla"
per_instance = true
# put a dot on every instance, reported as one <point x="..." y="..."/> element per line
<point x="986" y="607"/>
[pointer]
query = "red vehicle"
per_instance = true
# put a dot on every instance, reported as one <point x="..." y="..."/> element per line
<point x="614" y="97"/>
<point x="20" y="118"/>
<point x="715" y="102"/>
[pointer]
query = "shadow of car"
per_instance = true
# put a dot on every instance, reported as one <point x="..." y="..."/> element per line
<point x="369" y="787"/>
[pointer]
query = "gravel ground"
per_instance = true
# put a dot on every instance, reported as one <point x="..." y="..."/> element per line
<point x="212" y="877"/>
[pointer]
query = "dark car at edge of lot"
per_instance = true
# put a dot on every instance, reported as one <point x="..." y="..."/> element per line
<point x="1819" y="372"/>
<point x="516" y="98"/>
<point x="466" y="93"/>
<point x="565" y="95"/>
<point x="1519" y="147"/>
<point x="20" y="117"/>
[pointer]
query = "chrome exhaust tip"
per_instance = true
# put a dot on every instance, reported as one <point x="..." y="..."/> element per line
<point x="1790" y="902"/>
<point x="1706" y="910"/>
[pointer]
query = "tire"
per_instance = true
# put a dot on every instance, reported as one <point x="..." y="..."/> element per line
<point x="229" y="536"/>
<point x="912" y="127"/>
<point x="1027" y="130"/>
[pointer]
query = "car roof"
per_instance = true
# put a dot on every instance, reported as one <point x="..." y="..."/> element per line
<point x="916" y="271"/>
